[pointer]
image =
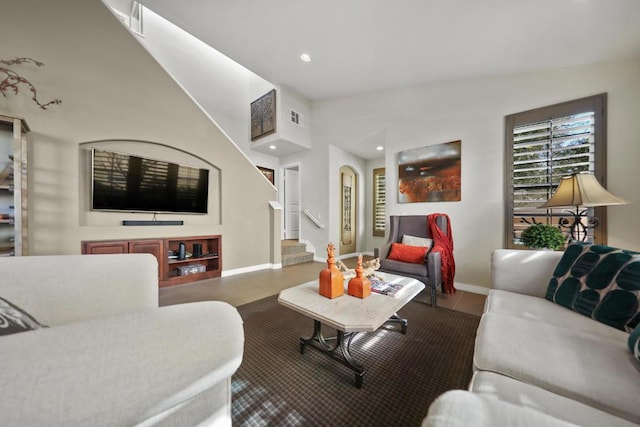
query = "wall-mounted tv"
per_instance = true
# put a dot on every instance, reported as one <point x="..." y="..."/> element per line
<point x="123" y="182"/>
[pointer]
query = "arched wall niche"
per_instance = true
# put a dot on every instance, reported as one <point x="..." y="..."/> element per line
<point x="151" y="150"/>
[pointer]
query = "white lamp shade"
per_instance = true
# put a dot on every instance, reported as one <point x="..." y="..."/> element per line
<point x="581" y="189"/>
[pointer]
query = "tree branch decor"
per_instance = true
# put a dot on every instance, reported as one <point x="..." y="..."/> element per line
<point x="12" y="80"/>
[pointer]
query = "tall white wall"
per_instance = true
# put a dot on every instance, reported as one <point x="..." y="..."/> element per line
<point x="111" y="88"/>
<point x="473" y="111"/>
<point x="220" y="85"/>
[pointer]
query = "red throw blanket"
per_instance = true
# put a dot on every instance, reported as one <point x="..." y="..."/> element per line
<point x="443" y="243"/>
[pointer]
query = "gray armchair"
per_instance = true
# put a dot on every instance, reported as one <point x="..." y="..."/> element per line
<point x="429" y="272"/>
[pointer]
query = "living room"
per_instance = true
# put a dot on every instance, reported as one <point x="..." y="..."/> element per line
<point x="112" y="89"/>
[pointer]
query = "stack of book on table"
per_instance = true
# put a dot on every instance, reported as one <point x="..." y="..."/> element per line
<point x="379" y="286"/>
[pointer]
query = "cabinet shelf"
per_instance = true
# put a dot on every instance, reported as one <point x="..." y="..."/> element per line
<point x="188" y="260"/>
<point x="14" y="165"/>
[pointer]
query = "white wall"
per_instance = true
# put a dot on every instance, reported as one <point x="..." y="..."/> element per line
<point x="112" y="89"/>
<point x="220" y="85"/>
<point x="473" y="111"/>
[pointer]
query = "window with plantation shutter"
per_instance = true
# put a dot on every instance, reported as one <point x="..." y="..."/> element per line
<point x="379" y="202"/>
<point x="544" y="145"/>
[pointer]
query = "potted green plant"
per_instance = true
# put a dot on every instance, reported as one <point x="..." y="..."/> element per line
<point x="543" y="236"/>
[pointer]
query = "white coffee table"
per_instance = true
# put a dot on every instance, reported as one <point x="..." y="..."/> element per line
<point x="348" y="315"/>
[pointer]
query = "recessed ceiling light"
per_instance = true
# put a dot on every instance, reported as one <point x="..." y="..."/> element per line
<point x="273" y="147"/>
<point x="305" y="57"/>
<point x="379" y="148"/>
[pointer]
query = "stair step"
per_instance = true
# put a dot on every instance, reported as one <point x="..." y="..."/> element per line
<point x="296" y="258"/>
<point x="292" y="247"/>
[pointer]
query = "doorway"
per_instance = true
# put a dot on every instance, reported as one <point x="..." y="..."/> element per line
<point x="291" y="202"/>
<point x="348" y="214"/>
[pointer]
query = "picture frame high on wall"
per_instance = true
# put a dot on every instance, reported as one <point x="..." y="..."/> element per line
<point x="430" y="174"/>
<point x="269" y="173"/>
<point x="263" y="115"/>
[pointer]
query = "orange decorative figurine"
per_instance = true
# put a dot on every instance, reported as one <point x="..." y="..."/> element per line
<point x="331" y="279"/>
<point x="359" y="286"/>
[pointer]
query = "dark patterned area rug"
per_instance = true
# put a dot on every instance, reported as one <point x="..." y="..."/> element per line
<point x="276" y="385"/>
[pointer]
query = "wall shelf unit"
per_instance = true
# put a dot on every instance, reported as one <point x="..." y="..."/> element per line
<point x="13" y="186"/>
<point x="165" y="249"/>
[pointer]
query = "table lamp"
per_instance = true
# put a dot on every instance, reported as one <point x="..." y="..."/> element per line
<point x="580" y="190"/>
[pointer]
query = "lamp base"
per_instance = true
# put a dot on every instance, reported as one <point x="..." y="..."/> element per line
<point x="578" y="230"/>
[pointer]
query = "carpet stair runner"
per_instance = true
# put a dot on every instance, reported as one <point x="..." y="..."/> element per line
<point x="293" y="252"/>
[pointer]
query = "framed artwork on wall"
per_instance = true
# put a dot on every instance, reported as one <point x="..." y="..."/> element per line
<point x="263" y="115"/>
<point x="269" y="173"/>
<point x="430" y="174"/>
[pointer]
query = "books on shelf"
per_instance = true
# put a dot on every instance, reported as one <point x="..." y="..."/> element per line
<point x="379" y="286"/>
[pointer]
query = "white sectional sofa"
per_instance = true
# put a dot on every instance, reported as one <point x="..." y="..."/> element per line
<point x="538" y="363"/>
<point x="110" y="356"/>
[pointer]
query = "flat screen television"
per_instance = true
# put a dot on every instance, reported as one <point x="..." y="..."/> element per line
<point x="123" y="182"/>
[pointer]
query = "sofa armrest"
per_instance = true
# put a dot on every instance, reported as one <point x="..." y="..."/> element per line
<point x="434" y="268"/>
<point x="523" y="271"/>
<point x="61" y="289"/>
<point x="121" y="370"/>
<point x="383" y="251"/>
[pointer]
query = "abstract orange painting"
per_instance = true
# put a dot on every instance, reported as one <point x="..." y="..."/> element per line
<point x="430" y="174"/>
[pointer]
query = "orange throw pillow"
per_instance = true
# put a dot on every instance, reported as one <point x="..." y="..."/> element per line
<point x="407" y="253"/>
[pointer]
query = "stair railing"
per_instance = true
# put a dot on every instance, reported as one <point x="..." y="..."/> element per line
<point x="313" y="218"/>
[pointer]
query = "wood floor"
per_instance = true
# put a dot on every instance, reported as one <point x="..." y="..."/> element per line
<point x="244" y="288"/>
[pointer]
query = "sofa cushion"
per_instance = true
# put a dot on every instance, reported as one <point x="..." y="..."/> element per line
<point x="417" y="241"/>
<point x="128" y="369"/>
<point x="403" y="268"/>
<point x="407" y="253"/>
<point x="541" y="310"/>
<point x="13" y="319"/>
<point x="634" y="342"/>
<point x="459" y="408"/>
<point x="591" y="369"/>
<point x="599" y="281"/>
<point x="507" y="389"/>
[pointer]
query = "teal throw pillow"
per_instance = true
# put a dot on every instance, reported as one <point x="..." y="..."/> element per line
<point x="599" y="281"/>
<point x="634" y="342"/>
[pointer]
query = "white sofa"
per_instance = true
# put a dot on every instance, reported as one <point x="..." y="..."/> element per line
<point x="538" y="363"/>
<point x="110" y="356"/>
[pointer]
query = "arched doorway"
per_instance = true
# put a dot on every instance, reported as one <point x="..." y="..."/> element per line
<point x="348" y="210"/>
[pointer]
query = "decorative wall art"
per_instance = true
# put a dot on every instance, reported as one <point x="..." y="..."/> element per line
<point x="263" y="115"/>
<point x="269" y="173"/>
<point x="430" y="174"/>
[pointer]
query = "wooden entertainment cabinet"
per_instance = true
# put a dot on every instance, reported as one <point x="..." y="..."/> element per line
<point x="168" y="268"/>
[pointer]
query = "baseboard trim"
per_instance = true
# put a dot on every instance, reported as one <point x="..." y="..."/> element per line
<point x="474" y="289"/>
<point x="236" y="271"/>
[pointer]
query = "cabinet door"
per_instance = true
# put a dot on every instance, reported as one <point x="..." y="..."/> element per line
<point x="153" y="247"/>
<point x="112" y="247"/>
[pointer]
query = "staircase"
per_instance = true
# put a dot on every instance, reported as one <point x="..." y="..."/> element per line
<point x="293" y="252"/>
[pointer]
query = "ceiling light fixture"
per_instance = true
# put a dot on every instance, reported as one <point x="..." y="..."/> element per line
<point x="305" y="57"/>
<point x="273" y="147"/>
<point x="379" y="148"/>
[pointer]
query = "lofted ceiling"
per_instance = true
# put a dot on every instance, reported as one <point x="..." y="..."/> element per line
<point x="361" y="46"/>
